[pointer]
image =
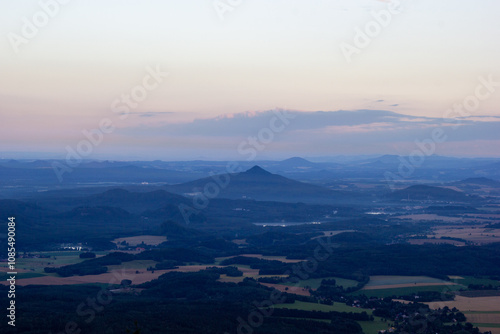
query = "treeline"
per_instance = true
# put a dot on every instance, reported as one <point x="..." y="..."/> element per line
<point x="267" y="267"/>
<point x="198" y="303"/>
<point x="230" y="271"/>
<point x="169" y="258"/>
<point x="93" y="266"/>
<point x="164" y="265"/>
<point x="277" y="238"/>
<point x="330" y="291"/>
<point x="291" y="313"/>
<point x="419" y="318"/>
<point x="427" y="296"/>
<point x="437" y="261"/>
<point x="153" y="314"/>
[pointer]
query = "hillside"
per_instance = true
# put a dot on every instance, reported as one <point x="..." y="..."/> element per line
<point x="132" y="201"/>
<point x="257" y="183"/>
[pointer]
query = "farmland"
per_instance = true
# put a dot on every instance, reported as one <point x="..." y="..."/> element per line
<point x="387" y="286"/>
<point x="475" y="234"/>
<point x="388" y="281"/>
<point x="483" y="312"/>
<point x="36" y="261"/>
<point x="369" y="327"/>
<point x="314" y="283"/>
<point x="264" y="257"/>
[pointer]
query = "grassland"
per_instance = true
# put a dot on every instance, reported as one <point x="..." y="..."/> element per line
<point x="391" y="280"/>
<point x="381" y="293"/>
<point x="473" y="280"/>
<point x="338" y="307"/>
<point x="35" y="265"/>
<point x="369" y="327"/>
<point x="373" y="327"/>
<point x="314" y="283"/>
<point x="387" y="286"/>
<point x="466" y="304"/>
<point x="260" y="256"/>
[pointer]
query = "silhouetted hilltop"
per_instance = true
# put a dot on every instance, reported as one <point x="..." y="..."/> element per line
<point x="257" y="183"/>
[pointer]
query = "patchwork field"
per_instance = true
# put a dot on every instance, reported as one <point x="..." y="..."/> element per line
<point x="483" y="312"/>
<point x="112" y="277"/>
<point x="260" y="256"/>
<point x="54" y="259"/>
<point x="369" y="327"/>
<point x="133" y="270"/>
<point x="466" y="304"/>
<point x="475" y="234"/>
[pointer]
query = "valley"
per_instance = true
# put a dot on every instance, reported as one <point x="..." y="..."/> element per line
<point x="351" y="255"/>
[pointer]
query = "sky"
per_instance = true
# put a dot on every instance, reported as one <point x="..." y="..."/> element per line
<point x="190" y="79"/>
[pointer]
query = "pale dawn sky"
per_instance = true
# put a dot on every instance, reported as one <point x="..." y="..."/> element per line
<point x="64" y="64"/>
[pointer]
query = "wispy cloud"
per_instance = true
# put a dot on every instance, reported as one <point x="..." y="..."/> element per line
<point x="368" y="125"/>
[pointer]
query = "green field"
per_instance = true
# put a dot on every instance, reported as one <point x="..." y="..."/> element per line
<point x="472" y="280"/>
<point x="4" y="276"/>
<point x="56" y="259"/>
<point x="314" y="283"/>
<point x="487" y="325"/>
<point x="369" y="327"/>
<point x="373" y="327"/>
<point x="381" y="293"/>
<point x="390" y="280"/>
<point x="338" y="307"/>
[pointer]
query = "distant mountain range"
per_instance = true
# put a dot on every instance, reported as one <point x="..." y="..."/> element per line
<point x="20" y="177"/>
